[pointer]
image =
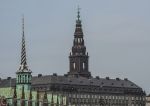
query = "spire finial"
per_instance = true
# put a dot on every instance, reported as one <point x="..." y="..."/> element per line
<point x="23" y="24"/>
<point x="78" y="13"/>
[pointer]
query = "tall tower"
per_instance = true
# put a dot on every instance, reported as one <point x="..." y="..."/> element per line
<point x="78" y="56"/>
<point x="23" y="75"/>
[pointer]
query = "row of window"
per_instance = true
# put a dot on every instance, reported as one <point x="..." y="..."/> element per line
<point x="79" y="40"/>
<point x="106" y="102"/>
<point x="106" y="97"/>
<point x="23" y="78"/>
<point x="74" y="65"/>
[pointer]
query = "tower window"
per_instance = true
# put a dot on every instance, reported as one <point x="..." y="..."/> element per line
<point x="28" y="78"/>
<point x="78" y="40"/>
<point x="74" y="65"/>
<point x="20" y="81"/>
<point x="25" y="78"/>
<point x="83" y="65"/>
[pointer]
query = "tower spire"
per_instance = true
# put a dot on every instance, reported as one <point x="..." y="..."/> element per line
<point x="23" y="64"/>
<point x="78" y="56"/>
<point x="24" y="73"/>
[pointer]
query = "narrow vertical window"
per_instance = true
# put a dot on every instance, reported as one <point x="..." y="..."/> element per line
<point x="25" y="78"/>
<point x="74" y="65"/>
<point x="83" y="65"/>
<point x="78" y="40"/>
<point x="18" y="79"/>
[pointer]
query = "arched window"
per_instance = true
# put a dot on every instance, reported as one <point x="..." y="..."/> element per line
<point x="101" y="102"/>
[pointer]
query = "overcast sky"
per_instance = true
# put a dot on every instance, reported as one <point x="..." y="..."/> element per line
<point x="117" y="36"/>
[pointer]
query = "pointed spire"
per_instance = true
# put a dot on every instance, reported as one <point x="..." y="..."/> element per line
<point x="78" y="30"/>
<point x="78" y="65"/>
<point x="23" y="25"/>
<point x="23" y="51"/>
<point x="23" y="64"/>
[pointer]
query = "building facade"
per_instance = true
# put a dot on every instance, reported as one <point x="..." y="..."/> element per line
<point x="76" y="88"/>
